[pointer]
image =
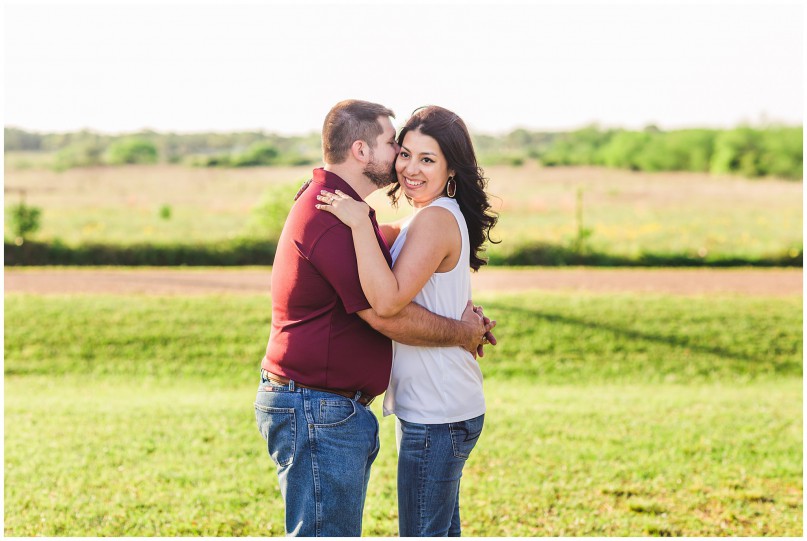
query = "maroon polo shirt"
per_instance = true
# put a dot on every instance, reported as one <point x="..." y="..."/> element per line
<point x="317" y="339"/>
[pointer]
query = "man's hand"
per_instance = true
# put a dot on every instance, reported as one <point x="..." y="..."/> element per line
<point x="302" y="188"/>
<point x="488" y="338"/>
<point x="478" y="329"/>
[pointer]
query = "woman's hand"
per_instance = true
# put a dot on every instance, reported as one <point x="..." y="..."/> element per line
<point x="351" y="212"/>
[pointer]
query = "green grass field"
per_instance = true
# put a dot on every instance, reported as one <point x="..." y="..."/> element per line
<point x="607" y="415"/>
<point x="627" y="213"/>
<point x="548" y="338"/>
<point x="132" y="458"/>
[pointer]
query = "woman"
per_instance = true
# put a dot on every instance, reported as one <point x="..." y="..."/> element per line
<point x="436" y="393"/>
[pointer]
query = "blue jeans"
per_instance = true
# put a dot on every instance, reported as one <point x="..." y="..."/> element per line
<point x="323" y="446"/>
<point x="430" y="463"/>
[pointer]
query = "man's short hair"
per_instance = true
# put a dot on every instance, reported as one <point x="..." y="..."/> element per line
<point x="349" y="121"/>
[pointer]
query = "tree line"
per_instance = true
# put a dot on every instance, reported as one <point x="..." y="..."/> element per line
<point x="237" y="149"/>
<point x="748" y="151"/>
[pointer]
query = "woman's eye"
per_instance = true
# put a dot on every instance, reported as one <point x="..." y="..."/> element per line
<point x="428" y="160"/>
<point x="403" y="154"/>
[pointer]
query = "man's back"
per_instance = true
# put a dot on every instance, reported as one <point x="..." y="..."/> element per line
<point x="317" y="339"/>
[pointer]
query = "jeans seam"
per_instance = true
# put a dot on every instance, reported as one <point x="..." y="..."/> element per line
<point x="377" y="434"/>
<point x="312" y="444"/>
<point x="422" y="484"/>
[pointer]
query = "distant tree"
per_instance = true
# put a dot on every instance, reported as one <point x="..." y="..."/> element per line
<point x="624" y="149"/>
<point x="737" y="151"/>
<point x="782" y="153"/>
<point x="21" y="140"/>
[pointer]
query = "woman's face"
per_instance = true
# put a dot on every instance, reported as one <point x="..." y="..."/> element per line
<point x="422" y="169"/>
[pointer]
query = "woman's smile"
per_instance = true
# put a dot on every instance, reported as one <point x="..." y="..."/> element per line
<point x="413" y="184"/>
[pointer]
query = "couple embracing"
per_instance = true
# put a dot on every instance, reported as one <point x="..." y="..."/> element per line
<point x="360" y="307"/>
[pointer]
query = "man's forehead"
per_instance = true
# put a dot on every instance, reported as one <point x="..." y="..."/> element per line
<point x="386" y="124"/>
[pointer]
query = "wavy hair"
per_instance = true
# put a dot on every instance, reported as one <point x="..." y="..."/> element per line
<point x="452" y="135"/>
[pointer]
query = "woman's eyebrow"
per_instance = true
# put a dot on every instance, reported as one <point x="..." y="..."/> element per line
<point x="422" y="153"/>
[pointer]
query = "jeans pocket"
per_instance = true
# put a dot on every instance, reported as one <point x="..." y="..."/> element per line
<point x="278" y="428"/>
<point x="334" y="412"/>
<point x="464" y="435"/>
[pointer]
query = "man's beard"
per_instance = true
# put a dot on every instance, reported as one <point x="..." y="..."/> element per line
<point x="379" y="174"/>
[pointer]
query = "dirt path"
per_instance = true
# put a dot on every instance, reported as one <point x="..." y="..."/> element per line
<point x="252" y="281"/>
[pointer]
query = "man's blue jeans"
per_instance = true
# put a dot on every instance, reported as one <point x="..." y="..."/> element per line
<point x="323" y="446"/>
<point x="430" y="463"/>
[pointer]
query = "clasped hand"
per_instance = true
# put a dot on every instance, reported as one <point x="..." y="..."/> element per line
<point x="482" y="325"/>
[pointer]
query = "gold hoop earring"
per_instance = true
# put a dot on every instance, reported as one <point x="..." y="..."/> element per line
<point x="451" y="187"/>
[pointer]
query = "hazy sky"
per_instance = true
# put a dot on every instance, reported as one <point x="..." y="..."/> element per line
<point x="280" y="66"/>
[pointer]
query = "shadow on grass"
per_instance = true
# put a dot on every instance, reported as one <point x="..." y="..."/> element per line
<point x="693" y="344"/>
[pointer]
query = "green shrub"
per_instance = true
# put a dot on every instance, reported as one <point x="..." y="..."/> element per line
<point x="246" y="251"/>
<point x="237" y="252"/>
<point x="81" y="154"/>
<point x="294" y="160"/>
<point x="268" y="216"/>
<point x="258" y="153"/>
<point x="132" y="151"/>
<point x="217" y="160"/>
<point x="24" y="220"/>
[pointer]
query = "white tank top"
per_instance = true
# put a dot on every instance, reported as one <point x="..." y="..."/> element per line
<point x="444" y="384"/>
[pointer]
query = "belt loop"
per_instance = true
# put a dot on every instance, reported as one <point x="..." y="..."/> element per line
<point x="358" y="396"/>
<point x="291" y="385"/>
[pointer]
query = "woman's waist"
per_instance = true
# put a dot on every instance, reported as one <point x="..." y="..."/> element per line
<point x="439" y="364"/>
<point x="442" y="355"/>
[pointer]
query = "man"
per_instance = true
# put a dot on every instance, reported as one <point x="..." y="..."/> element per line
<point x="329" y="354"/>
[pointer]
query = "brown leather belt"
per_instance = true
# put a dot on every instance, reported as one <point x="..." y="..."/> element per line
<point x="364" y="399"/>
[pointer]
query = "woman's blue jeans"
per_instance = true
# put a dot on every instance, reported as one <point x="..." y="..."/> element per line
<point x="430" y="463"/>
<point x="322" y="445"/>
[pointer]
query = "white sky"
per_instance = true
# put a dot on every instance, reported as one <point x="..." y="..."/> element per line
<point x="280" y="66"/>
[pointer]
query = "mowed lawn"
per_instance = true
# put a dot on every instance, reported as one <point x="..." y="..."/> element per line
<point x="607" y="415"/>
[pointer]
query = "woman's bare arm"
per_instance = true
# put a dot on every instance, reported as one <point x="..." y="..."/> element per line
<point x="432" y="237"/>
<point x="391" y="230"/>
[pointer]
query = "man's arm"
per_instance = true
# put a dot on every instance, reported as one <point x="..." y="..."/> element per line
<point x="416" y="326"/>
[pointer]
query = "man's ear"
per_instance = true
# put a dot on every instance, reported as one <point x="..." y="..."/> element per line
<point x="360" y="151"/>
